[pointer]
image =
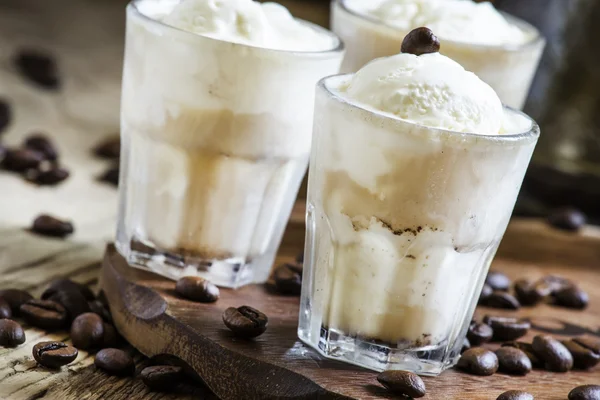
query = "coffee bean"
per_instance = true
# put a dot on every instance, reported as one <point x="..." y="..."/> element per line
<point x="50" y="177"/>
<point x="43" y="145"/>
<point x="585" y="392"/>
<point x="553" y="353"/>
<point x="486" y="292"/>
<point x="583" y="358"/>
<point x="111" y="337"/>
<point x="404" y="383"/>
<point x="45" y="314"/>
<point x="11" y="333"/>
<point x="245" y="321"/>
<point x="300" y="258"/>
<point x="73" y="301"/>
<point x="420" y="41"/>
<point x="526" y="293"/>
<point x="66" y="285"/>
<point x="466" y="346"/>
<point x="498" y="281"/>
<point x="161" y="378"/>
<point x="515" y="395"/>
<point x="507" y="328"/>
<point x="526" y="348"/>
<point x="513" y="361"/>
<point x="478" y="361"/>
<point x="98" y="308"/>
<point x="502" y="300"/>
<point x="115" y="362"/>
<point x="5" y="114"/>
<point x="479" y="334"/>
<point x="15" y="298"/>
<point x="20" y="160"/>
<point x="87" y="331"/>
<point x="197" y="289"/>
<point x="567" y="219"/>
<point x="111" y="175"/>
<point x="109" y="148"/>
<point x="47" y="225"/>
<point x="551" y="284"/>
<point x="288" y="279"/>
<point x="54" y="354"/>
<point x="589" y="343"/>
<point x="39" y="67"/>
<point x="571" y="297"/>
<point x="5" y="310"/>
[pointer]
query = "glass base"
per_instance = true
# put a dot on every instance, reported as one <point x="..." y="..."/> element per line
<point x="230" y="273"/>
<point x="336" y="345"/>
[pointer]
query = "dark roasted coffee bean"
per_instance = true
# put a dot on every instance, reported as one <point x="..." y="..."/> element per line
<point x="466" y="346"/>
<point x="20" y="160"/>
<point x="300" y="258"/>
<point x="568" y="219"/>
<point x="111" y="175"/>
<point x="585" y="392"/>
<point x="526" y="293"/>
<point x="515" y="395"/>
<point x="5" y="310"/>
<point x="478" y="361"/>
<point x="498" y="281"/>
<point x="73" y="301"/>
<point x="39" y="67"/>
<point x="109" y="148"/>
<point x="54" y="354"/>
<point x="589" y="343"/>
<point x="553" y="353"/>
<point x="551" y="284"/>
<point x="502" y="300"/>
<point x="197" y="289"/>
<point x="11" y="333"/>
<point x="49" y="177"/>
<point x="115" y="362"/>
<point x="288" y="279"/>
<point x="43" y="145"/>
<point x="526" y="348"/>
<point x="420" y="41"/>
<point x="161" y="378"/>
<point x="513" y="361"/>
<point x="571" y="297"/>
<point x="486" y="292"/>
<point x="111" y="337"/>
<point x="403" y="383"/>
<point x="245" y="321"/>
<point x="479" y="334"/>
<point x="47" y="225"/>
<point x="66" y="285"/>
<point x="87" y="331"/>
<point x="46" y="314"/>
<point x="15" y="298"/>
<point x="98" y="308"/>
<point x="5" y="114"/>
<point x="583" y="358"/>
<point x="507" y="328"/>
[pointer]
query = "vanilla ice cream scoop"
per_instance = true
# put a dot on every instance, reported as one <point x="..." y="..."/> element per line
<point x="430" y="90"/>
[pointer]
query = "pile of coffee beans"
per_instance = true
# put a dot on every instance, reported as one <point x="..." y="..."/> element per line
<point x="110" y="150"/>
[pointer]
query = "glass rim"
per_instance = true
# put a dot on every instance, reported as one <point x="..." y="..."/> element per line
<point x="339" y="46"/>
<point x="535" y="40"/>
<point x="532" y="133"/>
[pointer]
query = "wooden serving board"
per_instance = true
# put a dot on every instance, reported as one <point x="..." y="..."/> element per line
<point x="278" y="366"/>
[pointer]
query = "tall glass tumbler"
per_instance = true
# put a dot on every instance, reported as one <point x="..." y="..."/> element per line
<point x="403" y="222"/>
<point x="216" y="138"/>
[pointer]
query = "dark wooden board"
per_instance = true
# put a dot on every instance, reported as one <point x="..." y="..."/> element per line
<point x="277" y="365"/>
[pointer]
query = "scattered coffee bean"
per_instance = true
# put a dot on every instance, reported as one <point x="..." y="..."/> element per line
<point x="73" y="301"/>
<point x="39" y="67"/>
<point x="43" y="145"/>
<point x="50" y="177"/>
<point x="111" y="175"/>
<point x="5" y="310"/>
<point x="479" y="334"/>
<point x="571" y="297"/>
<point x="115" y="362"/>
<point x="109" y="148"/>
<point x="245" y="321"/>
<point x="161" y="378"/>
<point x="567" y="219"/>
<point x="513" y="361"/>
<point x="507" y="328"/>
<point x="589" y="343"/>
<point x="54" y="354"/>
<point x="526" y="293"/>
<point x="87" y="331"/>
<point x="11" y="333"/>
<point x="20" y="160"/>
<point x="5" y="114"/>
<point x="478" y="361"/>
<point x="585" y="392"/>
<point x="197" y="289"/>
<point x="67" y="285"/>
<point x="288" y="279"/>
<point x="420" y="41"/>
<point x="466" y="346"/>
<point x="403" y="383"/>
<point x="526" y="348"/>
<point x="300" y="258"/>
<point x="98" y="308"/>
<point x="498" y="281"/>
<point x="515" y="395"/>
<point x="486" y="292"/>
<point x="47" y="225"/>
<point x="583" y="358"/>
<point x="553" y="353"/>
<point x="45" y="314"/>
<point x="111" y="337"/>
<point x="502" y="300"/>
<point x="550" y="284"/>
<point x="15" y="298"/>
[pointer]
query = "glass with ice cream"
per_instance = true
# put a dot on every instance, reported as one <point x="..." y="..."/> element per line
<point x="414" y="173"/>
<point x="502" y="50"/>
<point x="216" y="123"/>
